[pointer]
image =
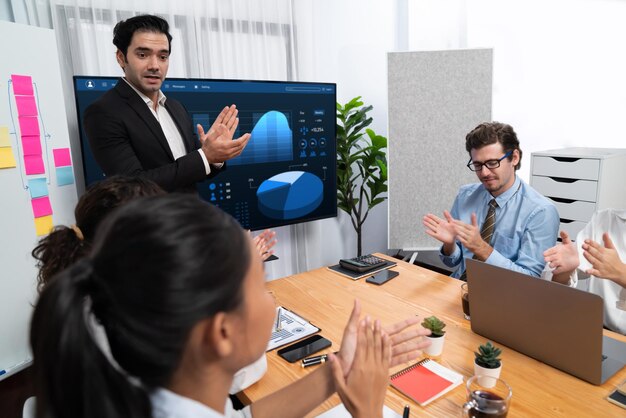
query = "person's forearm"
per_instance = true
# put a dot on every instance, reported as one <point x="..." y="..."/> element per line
<point x="621" y="279"/>
<point x="563" y="278"/>
<point x="483" y="252"/>
<point x="448" y="248"/>
<point x="310" y="391"/>
<point x="531" y="267"/>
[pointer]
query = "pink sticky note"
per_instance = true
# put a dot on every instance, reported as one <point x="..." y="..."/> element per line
<point x="41" y="207"/>
<point x="31" y="145"/>
<point x="22" y="84"/>
<point x="26" y="105"/>
<point x="33" y="164"/>
<point x="29" y="126"/>
<point x="61" y="157"/>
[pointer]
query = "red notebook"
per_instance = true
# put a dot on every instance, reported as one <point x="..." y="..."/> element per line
<point x="425" y="381"/>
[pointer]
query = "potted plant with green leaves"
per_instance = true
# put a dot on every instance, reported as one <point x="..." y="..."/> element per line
<point x="361" y="164"/>
<point x="487" y="364"/>
<point x="436" y="337"/>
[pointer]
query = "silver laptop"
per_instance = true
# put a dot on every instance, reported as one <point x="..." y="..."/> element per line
<point x="550" y="322"/>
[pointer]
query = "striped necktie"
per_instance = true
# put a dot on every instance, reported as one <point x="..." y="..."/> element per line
<point x="486" y="232"/>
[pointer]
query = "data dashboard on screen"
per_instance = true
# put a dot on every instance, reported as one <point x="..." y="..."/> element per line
<point x="287" y="172"/>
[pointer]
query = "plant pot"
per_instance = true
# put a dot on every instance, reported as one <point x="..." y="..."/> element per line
<point x="436" y="345"/>
<point x="487" y="377"/>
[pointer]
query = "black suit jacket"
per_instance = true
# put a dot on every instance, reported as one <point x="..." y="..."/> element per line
<point x="126" y="138"/>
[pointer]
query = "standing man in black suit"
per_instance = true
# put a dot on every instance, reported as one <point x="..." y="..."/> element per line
<point x="133" y="129"/>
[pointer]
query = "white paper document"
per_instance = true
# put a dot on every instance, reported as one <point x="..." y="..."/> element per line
<point x="288" y="328"/>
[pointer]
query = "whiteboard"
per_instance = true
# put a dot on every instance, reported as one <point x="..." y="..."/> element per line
<point x="435" y="99"/>
<point x="29" y="52"/>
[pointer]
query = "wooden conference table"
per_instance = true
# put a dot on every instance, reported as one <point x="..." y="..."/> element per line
<point x="325" y="298"/>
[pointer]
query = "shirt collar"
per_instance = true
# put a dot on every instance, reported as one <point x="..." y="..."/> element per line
<point x="621" y="214"/>
<point x="145" y="98"/>
<point x="177" y="406"/>
<point x="506" y="196"/>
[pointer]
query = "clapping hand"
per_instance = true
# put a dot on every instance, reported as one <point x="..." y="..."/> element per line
<point x="264" y="242"/>
<point x="469" y="236"/>
<point x="563" y="258"/>
<point x="604" y="260"/>
<point x="218" y="144"/>
<point x="363" y="390"/>
<point x="440" y="229"/>
<point x="405" y="339"/>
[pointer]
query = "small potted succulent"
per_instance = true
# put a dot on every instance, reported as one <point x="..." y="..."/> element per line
<point x="487" y="364"/>
<point x="436" y="337"/>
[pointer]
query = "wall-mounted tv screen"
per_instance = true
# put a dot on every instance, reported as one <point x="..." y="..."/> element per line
<point x="287" y="172"/>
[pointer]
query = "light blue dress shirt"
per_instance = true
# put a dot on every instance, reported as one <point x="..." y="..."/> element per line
<point x="527" y="224"/>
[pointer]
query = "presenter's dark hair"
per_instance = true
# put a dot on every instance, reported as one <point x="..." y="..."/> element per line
<point x="125" y="29"/>
<point x="491" y="132"/>
<point x="64" y="246"/>
<point x="159" y="265"/>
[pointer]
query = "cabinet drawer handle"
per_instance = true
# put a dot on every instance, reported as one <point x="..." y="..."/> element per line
<point x="565" y="159"/>
<point x="564" y="180"/>
<point x="562" y="200"/>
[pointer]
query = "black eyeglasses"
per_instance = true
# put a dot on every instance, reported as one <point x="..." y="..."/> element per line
<point x="490" y="164"/>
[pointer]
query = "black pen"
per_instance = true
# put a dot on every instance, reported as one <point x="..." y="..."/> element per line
<point x="312" y="361"/>
<point x="407" y="411"/>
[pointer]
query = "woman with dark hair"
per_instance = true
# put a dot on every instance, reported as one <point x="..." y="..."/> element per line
<point x="67" y="244"/>
<point x="177" y="288"/>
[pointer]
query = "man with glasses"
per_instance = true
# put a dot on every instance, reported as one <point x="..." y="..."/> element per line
<point x="501" y="220"/>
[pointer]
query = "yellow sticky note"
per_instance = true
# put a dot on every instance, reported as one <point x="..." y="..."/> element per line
<point x="7" y="160"/>
<point x="43" y="225"/>
<point x="4" y="136"/>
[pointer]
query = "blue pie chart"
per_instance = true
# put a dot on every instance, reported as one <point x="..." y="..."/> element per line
<point x="290" y="195"/>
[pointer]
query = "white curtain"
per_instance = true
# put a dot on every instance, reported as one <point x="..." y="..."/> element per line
<point x="211" y="39"/>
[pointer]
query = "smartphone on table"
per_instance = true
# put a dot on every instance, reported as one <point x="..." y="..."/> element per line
<point x="618" y="396"/>
<point x="382" y="276"/>
<point x="304" y="348"/>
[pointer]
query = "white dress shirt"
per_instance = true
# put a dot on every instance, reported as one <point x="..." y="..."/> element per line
<point x="167" y="404"/>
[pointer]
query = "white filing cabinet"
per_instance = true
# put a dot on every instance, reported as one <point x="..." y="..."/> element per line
<point x="580" y="181"/>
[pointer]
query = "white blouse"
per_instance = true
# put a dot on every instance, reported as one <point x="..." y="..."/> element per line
<point x="167" y="404"/>
<point x="612" y="221"/>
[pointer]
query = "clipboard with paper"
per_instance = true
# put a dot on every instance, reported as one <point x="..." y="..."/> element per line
<point x="289" y="327"/>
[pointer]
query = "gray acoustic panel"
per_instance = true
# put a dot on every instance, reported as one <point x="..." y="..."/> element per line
<point x="435" y="99"/>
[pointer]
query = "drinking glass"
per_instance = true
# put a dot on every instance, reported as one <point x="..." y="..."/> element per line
<point x="487" y="401"/>
<point x="465" y="301"/>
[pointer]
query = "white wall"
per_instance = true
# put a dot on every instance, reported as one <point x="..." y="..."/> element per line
<point x="559" y="65"/>
<point x="346" y="42"/>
